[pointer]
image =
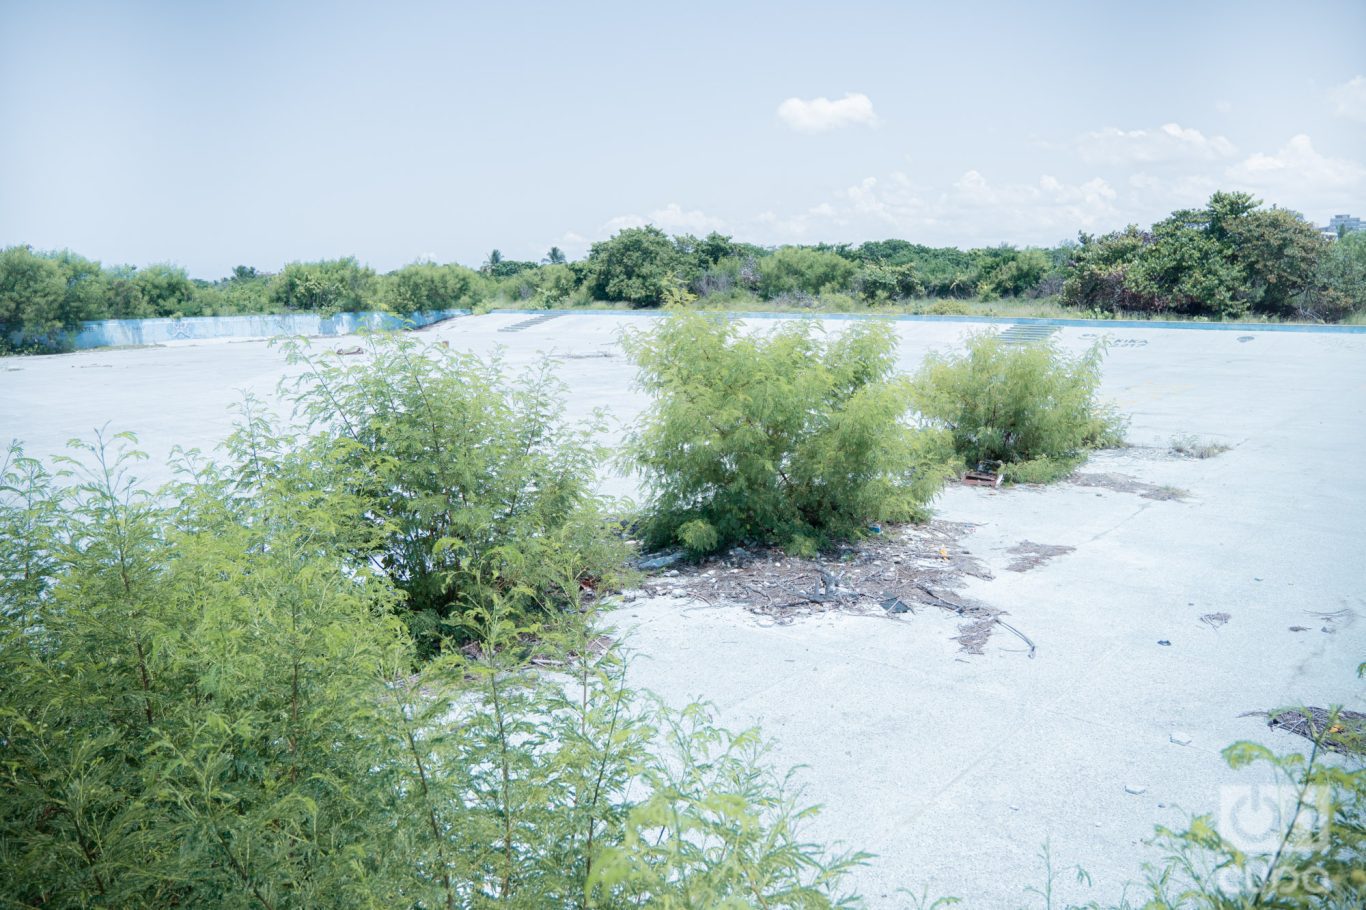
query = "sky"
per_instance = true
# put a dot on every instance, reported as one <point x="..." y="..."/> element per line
<point x="215" y="134"/>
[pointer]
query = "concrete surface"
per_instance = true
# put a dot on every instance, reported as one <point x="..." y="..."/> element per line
<point x="955" y="770"/>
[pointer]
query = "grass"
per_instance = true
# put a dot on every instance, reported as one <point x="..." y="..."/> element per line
<point x="1194" y="447"/>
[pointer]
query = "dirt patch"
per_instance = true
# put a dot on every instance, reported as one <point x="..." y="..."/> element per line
<point x="893" y="575"/>
<point x="1122" y="483"/>
<point x="1029" y="555"/>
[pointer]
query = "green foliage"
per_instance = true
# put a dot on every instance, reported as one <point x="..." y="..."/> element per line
<point x="1012" y="273"/>
<point x="878" y="283"/>
<point x="1031" y="408"/>
<point x="426" y="286"/>
<point x="330" y="286"/>
<point x="637" y="265"/>
<point x="31" y="293"/>
<point x="165" y="289"/>
<point x="802" y="270"/>
<point x="1342" y="279"/>
<point x="478" y="487"/>
<point x="1316" y="862"/>
<point x="788" y="438"/>
<point x="1229" y="259"/>
<point x="207" y="702"/>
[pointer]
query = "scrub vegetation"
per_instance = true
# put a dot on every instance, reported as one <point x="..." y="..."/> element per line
<point x="1030" y="411"/>
<point x="467" y="487"/>
<point x="1232" y="259"/>
<point x="358" y="663"/>
<point x="790" y="438"/>
<point x="210" y="699"/>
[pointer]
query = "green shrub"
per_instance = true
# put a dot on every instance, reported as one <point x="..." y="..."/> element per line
<point x="1031" y="408"/>
<point x="476" y="483"/>
<point x="803" y="270"/>
<point x="329" y="286"/>
<point x="425" y="286"/>
<point x="207" y="702"/>
<point x="635" y="265"/>
<point x="786" y="437"/>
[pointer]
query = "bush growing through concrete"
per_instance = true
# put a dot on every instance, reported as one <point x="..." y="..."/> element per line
<point x="213" y="705"/>
<point x="1032" y="409"/>
<point x="475" y="483"/>
<point x="787" y="437"/>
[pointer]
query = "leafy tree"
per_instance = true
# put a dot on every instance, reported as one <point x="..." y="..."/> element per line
<point x="1228" y="259"/>
<point x="555" y="256"/>
<point x="1012" y="273"/>
<point x="635" y="265"/>
<point x="477" y="484"/>
<point x="785" y="438"/>
<point x="426" y="286"/>
<point x="1030" y="409"/>
<point x="1342" y="278"/>
<point x="330" y="285"/>
<point x="802" y="270"/>
<point x="715" y="247"/>
<point x="165" y="289"/>
<point x="1280" y="252"/>
<point x="87" y="288"/>
<point x="878" y="283"/>
<point x="32" y="290"/>
<point x="1098" y="274"/>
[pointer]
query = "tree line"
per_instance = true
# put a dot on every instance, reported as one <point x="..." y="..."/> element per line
<point x="1232" y="258"/>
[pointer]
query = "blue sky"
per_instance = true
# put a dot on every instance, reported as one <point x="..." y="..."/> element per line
<point x="212" y="134"/>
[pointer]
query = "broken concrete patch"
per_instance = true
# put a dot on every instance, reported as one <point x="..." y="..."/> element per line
<point x="1122" y="483"/>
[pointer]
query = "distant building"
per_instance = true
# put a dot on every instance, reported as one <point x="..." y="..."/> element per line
<point x="1342" y="224"/>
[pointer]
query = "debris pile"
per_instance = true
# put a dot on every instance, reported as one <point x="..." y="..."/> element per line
<point x="894" y="573"/>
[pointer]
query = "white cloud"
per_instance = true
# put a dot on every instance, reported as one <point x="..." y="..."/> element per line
<point x="672" y="219"/>
<point x="821" y="114"/>
<point x="1349" y="99"/>
<point x="1169" y="142"/>
<point x="1298" y="170"/>
<point x="970" y="211"/>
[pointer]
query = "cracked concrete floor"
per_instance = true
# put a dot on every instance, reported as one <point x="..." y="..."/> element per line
<point x="955" y="770"/>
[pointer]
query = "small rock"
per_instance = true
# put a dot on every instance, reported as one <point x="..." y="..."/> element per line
<point x="1181" y="739"/>
<point x="1014" y="808"/>
<point x="895" y="605"/>
<point x="661" y="561"/>
<point x="1135" y="789"/>
<point x="1164" y="643"/>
